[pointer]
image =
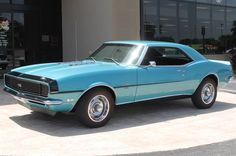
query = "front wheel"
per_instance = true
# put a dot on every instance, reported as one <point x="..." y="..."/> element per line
<point x="95" y="108"/>
<point x="205" y="95"/>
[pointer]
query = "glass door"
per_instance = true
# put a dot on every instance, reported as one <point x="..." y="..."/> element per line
<point x="30" y="33"/>
<point x="12" y="41"/>
<point x="5" y="40"/>
<point x="18" y="40"/>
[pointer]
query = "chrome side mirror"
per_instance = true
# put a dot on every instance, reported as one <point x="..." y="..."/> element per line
<point x="152" y="64"/>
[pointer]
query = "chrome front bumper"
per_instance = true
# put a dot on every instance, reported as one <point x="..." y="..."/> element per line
<point x="31" y="99"/>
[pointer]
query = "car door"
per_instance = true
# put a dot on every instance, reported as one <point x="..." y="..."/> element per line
<point x="166" y="78"/>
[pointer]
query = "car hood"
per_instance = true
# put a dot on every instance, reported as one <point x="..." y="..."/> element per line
<point x="61" y="70"/>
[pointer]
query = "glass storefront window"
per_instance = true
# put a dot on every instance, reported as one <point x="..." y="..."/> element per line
<point x="151" y="19"/>
<point x="5" y="31"/>
<point x="186" y="22"/>
<point x="190" y="0"/>
<point x="218" y="29"/>
<point x="19" y="39"/>
<point x="203" y="20"/>
<point x="18" y="1"/>
<point x="204" y="31"/>
<point x="230" y="37"/>
<point x="218" y="21"/>
<point x="231" y="12"/>
<point x="219" y="2"/>
<point x="18" y="19"/>
<point x="168" y="21"/>
<point x="208" y="26"/>
<point x="12" y="39"/>
<point x="5" y="39"/>
<point x="231" y="3"/>
<point x="4" y="1"/>
<point x="204" y="1"/>
<point x="23" y="24"/>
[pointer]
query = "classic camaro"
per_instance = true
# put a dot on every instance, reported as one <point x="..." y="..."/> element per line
<point x="119" y="72"/>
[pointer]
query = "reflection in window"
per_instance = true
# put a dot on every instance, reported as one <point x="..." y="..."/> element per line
<point x="218" y="29"/>
<point x="219" y="2"/>
<point x="218" y="20"/>
<point x="18" y="19"/>
<point x="5" y="39"/>
<point x="5" y="30"/>
<point x="19" y="52"/>
<point x="4" y="1"/>
<point x="18" y="1"/>
<point x="231" y="12"/>
<point x="203" y="20"/>
<point x="151" y="19"/>
<point x="168" y="21"/>
<point x="186" y="23"/>
<point x="231" y="3"/>
<point x="204" y="30"/>
<point x="230" y="37"/>
<point x="206" y="25"/>
<point x="204" y="1"/>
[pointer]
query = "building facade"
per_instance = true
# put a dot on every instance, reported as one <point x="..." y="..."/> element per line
<point x="206" y="25"/>
<point x="38" y="31"/>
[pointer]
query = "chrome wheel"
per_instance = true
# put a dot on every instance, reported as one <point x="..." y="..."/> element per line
<point x="208" y="93"/>
<point x="98" y="108"/>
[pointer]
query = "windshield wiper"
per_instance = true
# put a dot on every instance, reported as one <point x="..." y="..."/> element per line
<point x="107" y="58"/>
<point x="91" y="58"/>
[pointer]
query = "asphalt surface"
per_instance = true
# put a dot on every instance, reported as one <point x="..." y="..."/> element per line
<point x="172" y="128"/>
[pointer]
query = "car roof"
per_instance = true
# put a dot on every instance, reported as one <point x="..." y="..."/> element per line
<point x="147" y="43"/>
<point x="190" y="51"/>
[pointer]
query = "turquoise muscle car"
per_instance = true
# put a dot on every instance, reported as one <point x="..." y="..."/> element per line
<point x="119" y="72"/>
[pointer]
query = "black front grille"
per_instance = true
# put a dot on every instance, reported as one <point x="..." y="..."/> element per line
<point x="26" y="86"/>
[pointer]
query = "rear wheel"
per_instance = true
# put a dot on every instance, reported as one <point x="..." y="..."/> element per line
<point x="205" y="95"/>
<point x="95" y="108"/>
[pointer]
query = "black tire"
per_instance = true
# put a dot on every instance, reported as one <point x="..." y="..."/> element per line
<point x="197" y="97"/>
<point x="82" y="111"/>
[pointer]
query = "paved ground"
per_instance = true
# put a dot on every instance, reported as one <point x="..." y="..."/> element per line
<point x="166" y="128"/>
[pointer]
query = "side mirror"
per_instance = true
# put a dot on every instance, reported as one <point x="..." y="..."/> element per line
<point x="152" y="64"/>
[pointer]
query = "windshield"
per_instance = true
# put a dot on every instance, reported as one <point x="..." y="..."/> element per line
<point x="118" y="53"/>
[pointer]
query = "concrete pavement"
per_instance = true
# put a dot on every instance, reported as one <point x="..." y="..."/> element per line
<point x="165" y="128"/>
<point x="230" y="88"/>
<point x="226" y="148"/>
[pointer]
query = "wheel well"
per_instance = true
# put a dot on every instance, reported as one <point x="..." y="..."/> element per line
<point x="213" y="77"/>
<point x="91" y="89"/>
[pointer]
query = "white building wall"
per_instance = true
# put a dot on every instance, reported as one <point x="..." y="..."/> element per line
<point x="88" y="23"/>
<point x="126" y="20"/>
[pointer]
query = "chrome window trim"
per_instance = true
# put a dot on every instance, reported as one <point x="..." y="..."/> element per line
<point x="147" y="47"/>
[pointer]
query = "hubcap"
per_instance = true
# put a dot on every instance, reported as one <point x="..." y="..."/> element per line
<point x="208" y="93"/>
<point x="98" y="108"/>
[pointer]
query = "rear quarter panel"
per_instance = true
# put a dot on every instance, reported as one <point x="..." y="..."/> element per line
<point x="197" y="71"/>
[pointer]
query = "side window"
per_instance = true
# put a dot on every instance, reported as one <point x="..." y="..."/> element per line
<point x="151" y="55"/>
<point x="166" y="56"/>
